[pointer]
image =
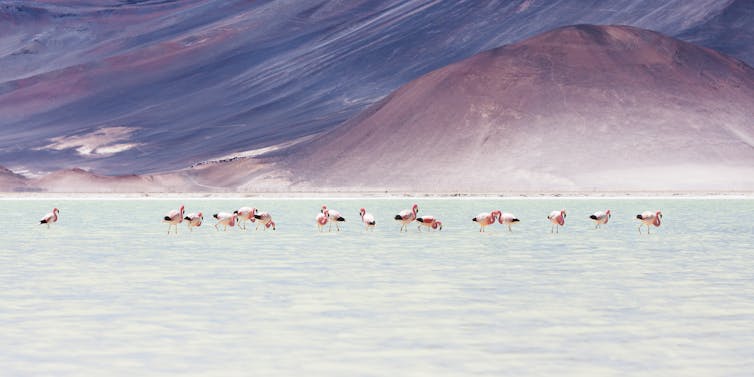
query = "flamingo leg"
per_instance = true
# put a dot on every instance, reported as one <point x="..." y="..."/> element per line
<point x="509" y="228"/>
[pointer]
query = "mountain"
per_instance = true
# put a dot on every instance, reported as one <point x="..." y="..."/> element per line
<point x="10" y="181"/>
<point x="577" y="108"/>
<point x="731" y="31"/>
<point x="122" y="87"/>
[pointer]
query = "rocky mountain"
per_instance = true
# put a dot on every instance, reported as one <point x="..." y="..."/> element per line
<point x="123" y="87"/>
<point x="578" y="108"/>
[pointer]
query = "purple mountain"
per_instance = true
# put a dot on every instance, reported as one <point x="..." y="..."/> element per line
<point x="579" y="108"/>
<point x="125" y="87"/>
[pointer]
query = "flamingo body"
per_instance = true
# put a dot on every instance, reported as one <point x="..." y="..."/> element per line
<point x="194" y="220"/>
<point x="367" y="219"/>
<point x="244" y="214"/>
<point x="225" y="219"/>
<point x="508" y="219"/>
<point x="405" y="217"/>
<point x="173" y="218"/>
<point x="600" y="218"/>
<point x="264" y="219"/>
<point x="649" y="218"/>
<point x="50" y="218"/>
<point x="557" y="218"/>
<point x="486" y="219"/>
<point x="430" y="222"/>
<point x="334" y="217"/>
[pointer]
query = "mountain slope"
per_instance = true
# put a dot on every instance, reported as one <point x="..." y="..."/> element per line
<point x="578" y="108"/>
<point x="124" y="87"/>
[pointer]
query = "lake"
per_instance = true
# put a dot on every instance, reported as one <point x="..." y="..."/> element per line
<point x="105" y="291"/>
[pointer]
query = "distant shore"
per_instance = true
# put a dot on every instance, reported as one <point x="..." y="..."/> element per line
<point x="379" y="195"/>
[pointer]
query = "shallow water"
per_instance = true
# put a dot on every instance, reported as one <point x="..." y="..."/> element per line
<point x="107" y="292"/>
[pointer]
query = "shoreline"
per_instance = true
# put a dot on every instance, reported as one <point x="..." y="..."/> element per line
<point x="359" y="195"/>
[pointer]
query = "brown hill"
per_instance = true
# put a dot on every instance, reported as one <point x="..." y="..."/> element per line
<point x="577" y="108"/>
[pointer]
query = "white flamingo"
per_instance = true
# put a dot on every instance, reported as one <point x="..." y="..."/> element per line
<point x="173" y="218"/>
<point x="407" y="216"/>
<point x="557" y="218"/>
<point x="194" y="220"/>
<point x="367" y="219"/>
<point x="600" y="218"/>
<point x="508" y="219"/>
<point x="225" y="219"/>
<point x="50" y="218"/>
<point x="335" y="217"/>
<point x="264" y="219"/>
<point x="244" y="214"/>
<point x="649" y="218"/>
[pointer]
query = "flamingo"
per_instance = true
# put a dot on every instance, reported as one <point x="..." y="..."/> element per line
<point x="335" y="217"/>
<point x="600" y="218"/>
<point x="486" y="219"/>
<point x="194" y="220"/>
<point x="430" y="222"/>
<point x="508" y="219"/>
<point x="322" y="219"/>
<point x="173" y="218"/>
<point x="264" y="219"/>
<point x="367" y="219"/>
<point x="244" y="214"/>
<point x="50" y="217"/>
<point x="406" y="217"/>
<point x="649" y="218"/>
<point x="225" y="219"/>
<point x="557" y="218"/>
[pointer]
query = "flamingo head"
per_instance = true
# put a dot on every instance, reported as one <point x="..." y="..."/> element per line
<point x="324" y="208"/>
<point x="563" y="213"/>
<point x="497" y="215"/>
<point x="326" y="212"/>
<point x="415" y="208"/>
<point x="659" y="214"/>
<point x="199" y="215"/>
<point x="608" y="213"/>
<point x="56" y="210"/>
<point x="270" y="224"/>
<point x="181" y="210"/>
<point x="437" y="225"/>
<point x="362" y="212"/>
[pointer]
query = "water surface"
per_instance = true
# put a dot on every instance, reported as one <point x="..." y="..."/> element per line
<point x="107" y="292"/>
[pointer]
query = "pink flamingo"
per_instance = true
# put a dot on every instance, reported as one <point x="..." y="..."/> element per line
<point x="194" y="220"/>
<point x="335" y="217"/>
<point x="225" y="219"/>
<point x="649" y="218"/>
<point x="557" y="218"/>
<point x="244" y="214"/>
<point x="508" y="219"/>
<point x="430" y="222"/>
<point x="406" y="217"/>
<point x="264" y="219"/>
<point x="367" y="219"/>
<point x="173" y="218"/>
<point x="486" y="219"/>
<point x="600" y="218"/>
<point x="50" y="217"/>
<point x="322" y="219"/>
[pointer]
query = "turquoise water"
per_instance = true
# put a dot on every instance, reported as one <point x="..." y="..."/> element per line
<point x="107" y="292"/>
